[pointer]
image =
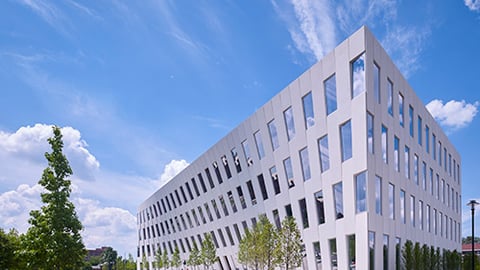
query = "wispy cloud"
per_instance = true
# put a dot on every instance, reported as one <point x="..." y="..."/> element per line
<point x="89" y="11"/>
<point x="49" y="12"/>
<point x="454" y="114"/>
<point x="473" y="5"/>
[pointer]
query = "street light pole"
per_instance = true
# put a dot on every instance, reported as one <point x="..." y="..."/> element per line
<point x="472" y="204"/>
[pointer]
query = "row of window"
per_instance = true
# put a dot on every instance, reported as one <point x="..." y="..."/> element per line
<point x="424" y="136"/>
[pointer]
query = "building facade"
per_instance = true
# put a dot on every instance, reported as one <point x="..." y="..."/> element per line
<point x="347" y="148"/>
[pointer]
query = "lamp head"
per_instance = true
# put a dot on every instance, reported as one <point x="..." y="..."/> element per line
<point x="472" y="203"/>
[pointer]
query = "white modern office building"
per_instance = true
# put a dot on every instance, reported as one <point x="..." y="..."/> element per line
<point x="347" y="148"/>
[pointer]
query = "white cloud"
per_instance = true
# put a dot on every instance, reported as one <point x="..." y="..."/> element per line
<point x="171" y="170"/>
<point x="28" y="144"/>
<point x="453" y="114"/>
<point x="473" y="5"/>
<point x="17" y="204"/>
<point x="48" y="12"/>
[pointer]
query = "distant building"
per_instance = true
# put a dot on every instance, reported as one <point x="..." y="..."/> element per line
<point x="347" y="148"/>
<point x="467" y="249"/>
<point x="95" y="252"/>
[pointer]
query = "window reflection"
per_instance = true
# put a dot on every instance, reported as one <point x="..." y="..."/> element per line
<point x="289" y="123"/>
<point x="330" y="86"/>
<point x="338" y="198"/>
<point x="358" y="76"/>
<point x="308" y="110"/>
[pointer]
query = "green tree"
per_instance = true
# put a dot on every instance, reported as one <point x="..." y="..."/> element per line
<point x="10" y="250"/>
<point x="290" y="247"/>
<point x="247" y="254"/>
<point x="176" y="261"/>
<point x="269" y="244"/>
<point x="433" y="259"/>
<point x="195" y="258"/>
<point x="109" y="257"/>
<point x="53" y="241"/>
<point x="145" y="265"/>
<point x="417" y="257"/>
<point x="426" y="257"/>
<point x="407" y="255"/>
<point x="468" y="240"/>
<point x="165" y="261"/>
<point x="158" y="264"/>
<point x="467" y="262"/>
<point x="208" y="252"/>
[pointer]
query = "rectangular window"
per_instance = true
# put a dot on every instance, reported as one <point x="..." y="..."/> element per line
<point x="287" y="165"/>
<point x="391" y="200"/>
<point x="200" y="212"/>
<point x="221" y="237"/>
<point x="236" y="159"/>
<point x="324" y="155"/>
<point x="263" y="188"/>
<point x="410" y="120"/>
<point x="398" y="252"/>
<point x="246" y="152"/>
<point x="173" y="200"/>
<point x="276" y="219"/>
<point x="420" y="214"/>
<point x="320" y="203"/>
<point x="415" y="168"/>
<point x="419" y="130"/>
<point x="396" y="153"/>
<point x="229" y="235"/>
<point x="361" y="192"/>
<point x="275" y="182"/>
<point x="407" y="162"/>
<point x="434" y="221"/>
<point x="412" y="210"/>
<point x="202" y="183"/>
<point x="178" y="198"/>
<point x="402" y="206"/>
<point x="217" y="172"/>
<point x="272" y="130"/>
<point x="305" y="164"/>
<point x="333" y="253"/>
<point x="289" y="123"/>
<point x="303" y="210"/>
<point x="401" y="115"/>
<point x="424" y="175"/>
<point x="429" y="228"/>
<point x="376" y="81"/>
<point x="351" y="251"/>
<point x="207" y="209"/>
<point x="232" y="201"/>
<point x="308" y="115"/>
<point x="445" y="158"/>
<point x="390" y="97"/>
<point x="251" y="191"/>
<point x="427" y="139"/>
<point x="442" y="191"/>
<point x="288" y="210"/>
<point x="338" y="198"/>
<point x="358" y="75"/>
<point x="371" y="250"/>
<point x="209" y="175"/>
<point x="346" y="140"/>
<point x="237" y="232"/>
<point x="378" y="195"/>
<point x="259" y="144"/>
<point x="450" y="164"/>
<point x="434" y="149"/>
<point x="439" y="153"/>
<point x="385" y="251"/>
<point x="438" y="187"/>
<point x="431" y="181"/>
<point x="215" y="208"/>
<point x="385" y="144"/>
<point x="241" y="197"/>
<point x="330" y="86"/>
<point x="370" y="134"/>
<point x="226" y="167"/>
<point x="183" y="195"/>
<point x="223" y="204"/>
<point x="318" y="255"/>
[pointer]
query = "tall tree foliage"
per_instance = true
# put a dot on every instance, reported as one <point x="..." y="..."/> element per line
<point x="10" y="256"/>
<point x="268" y="242"/>
<point x="208" y="252"/>
<point x="109" y="257"/>
<point x="53" y="241"/>
<point x="176" y="261"/>
<point x="194" y="259"/>
<point x="407" y="255"/>
<point x="290" y="247"/>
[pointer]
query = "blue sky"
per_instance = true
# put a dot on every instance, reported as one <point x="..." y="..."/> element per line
<point x="141" y="88"/>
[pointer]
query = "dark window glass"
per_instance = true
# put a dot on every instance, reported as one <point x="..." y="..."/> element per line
<point x="263" y="188"/>
<point x="303" y="210"/>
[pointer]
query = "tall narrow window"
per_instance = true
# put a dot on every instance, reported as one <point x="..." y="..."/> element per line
<point x="217" y="172"/>
<point x="398" y="252"/>
<point x="251" y="191"/>
<point x="427" y="139"/>
<point x="287" y="165"/>
<point x="361" y="192"/>
<point x="420" y="214"/>
<point x="390" y="97"/>
<point x="419" y="130"/>
<point x="209" y="213"/>
<point x="263" y="188"/>
<point x="407" y="162"/>
<point x="324" y="155"/>
<point x="246" y="152"/>
<point x="195" y="187"/>
<point x="346" y="140"/>
<point x="320" y="203"/>
<point x="358" y="76"/>
<point x="385" y="144"/>
<point x="445" y="159"/>
<point x="215" y="208"/>
<point x="391" y="200"/>
<point x="415" y="168"/>
<point x="385" y="251"/>
<point x="275" y="182"/>
<point x="431" y="181"/>
<point x="396" y="153"/>
<point x="223" y="204"/>
<point x="276" y="219"/>
<point x="376" y="81"/>
<point x="289" y="123"/>
<point x="229" y="235"/>
<point x="338" y="198"/>
<point x="303" y="210"/>
<point x="305" y="164"/>
<point x="226" y="167"/>
<point x="232" y="201"/>
<point x="272" y="130"/>
<point x="318" y="255"/>
<point x="308" y="115"/>
<point x="427" y="217"/>
<point x="330" y="86"/>
<point x="241" y="197"/>
<point x="202" y="183"/>
<point x="259" y="144"/>
<point x="412" y="210"/>
<point x="424" y="175"/>
<point x="401" y="115"/>
<point x="351" y="251"/>
<point x="434" y="149"/>
<point x="410" y="120"/>
<point x="378" y="195"/>
<point x="209" y="175"/>
<point x="402" y="206"/>
<point x="333" y="253"/>
<point x="370" y="134"/>
<point x="236" y="159"/>
<point x="371" y="250"/>
<point x="439" y="153"/>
